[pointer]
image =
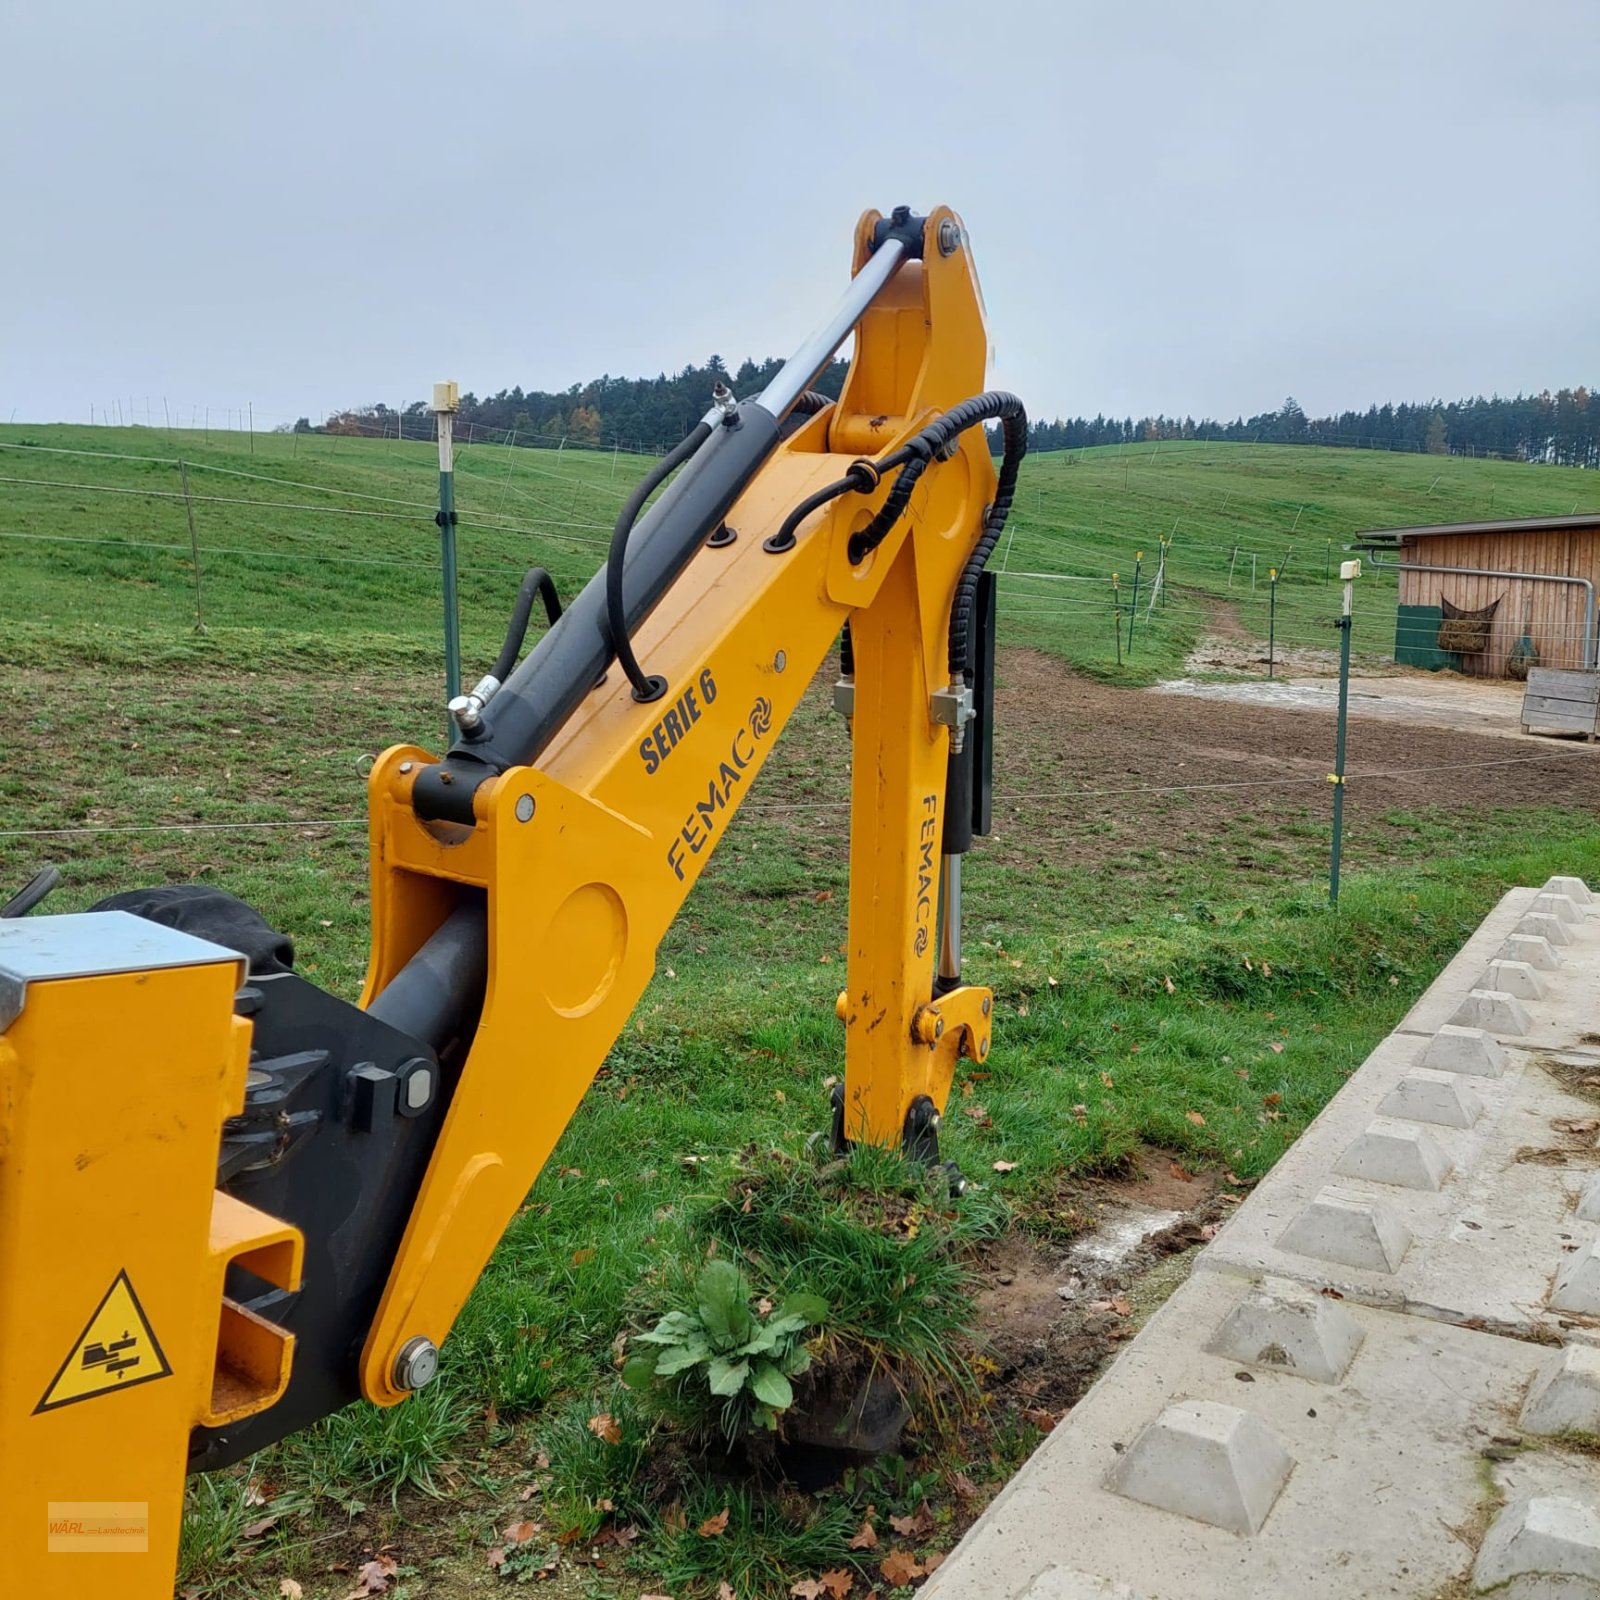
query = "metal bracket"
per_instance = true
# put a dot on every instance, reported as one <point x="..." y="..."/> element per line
<point x="952" y="708"/>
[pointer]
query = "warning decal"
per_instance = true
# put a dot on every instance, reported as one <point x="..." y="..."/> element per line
<point x="118" y="1350"/>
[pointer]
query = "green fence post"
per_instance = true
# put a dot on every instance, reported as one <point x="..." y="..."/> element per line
<point x="1272" y="620"/>
<point x="194" y="548"/>
<point x="446" y="397"/>
<point x="1133" y="610"/>
<point x="1349" y="571"/>
<point x="1116" y="614"/>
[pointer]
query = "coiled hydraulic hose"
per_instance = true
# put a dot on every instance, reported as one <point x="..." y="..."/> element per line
<point x="913" y="458"/>
<point x="1014" y="433"/>
<point x="645" y="686"/>
<point x="932" y="443"/>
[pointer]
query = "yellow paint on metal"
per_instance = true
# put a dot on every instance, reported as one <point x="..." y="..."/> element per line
<point x="582" y="891"/>
<point x="114" y="1090"/>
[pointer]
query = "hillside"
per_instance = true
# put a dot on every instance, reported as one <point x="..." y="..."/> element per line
<point x="95" y="531"/>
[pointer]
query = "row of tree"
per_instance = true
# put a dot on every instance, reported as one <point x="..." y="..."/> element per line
<point x="653" y="413"/>
<point x="628" y="413"/>
<point x="1562" y="428"/>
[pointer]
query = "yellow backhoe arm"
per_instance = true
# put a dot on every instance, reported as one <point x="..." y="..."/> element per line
<point x="521" y="885"/>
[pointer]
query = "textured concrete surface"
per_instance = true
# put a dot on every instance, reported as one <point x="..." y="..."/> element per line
<point x="1437" y="1097"/>
<point x="1368" y="1385"/>
<point x="1565" y="1397"/>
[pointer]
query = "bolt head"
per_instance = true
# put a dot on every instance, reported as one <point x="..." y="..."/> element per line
<point x="938" y="1028"/>
<point x="417" y="1364"/>
<point x="988" y="1005"/>
<point x="780" y="661"/>
<point x="983" y="1048"/>
<point x="406" y="766"/>
<point x="949" y="237"/>
<point x="525" y="808"/>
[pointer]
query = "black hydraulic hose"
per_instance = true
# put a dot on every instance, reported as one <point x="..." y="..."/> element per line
<point x="917" y="452"/>
<point x="536" y="582"/>
<point x="808" y="403"/>
<point x="644" y="686"/>
<point x="1014" y="432"/>
<point x="861" y="476"/>
<point x="31" y="893"/>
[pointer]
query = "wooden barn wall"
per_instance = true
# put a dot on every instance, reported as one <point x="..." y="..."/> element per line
<point x="1554" y="613"/>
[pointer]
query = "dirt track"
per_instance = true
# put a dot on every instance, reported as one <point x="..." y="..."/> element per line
<point x="1060" y="735"/>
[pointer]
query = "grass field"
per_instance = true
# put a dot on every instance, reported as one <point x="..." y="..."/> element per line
<point x="322" y="549"/>
<point x="1171" y="986"/>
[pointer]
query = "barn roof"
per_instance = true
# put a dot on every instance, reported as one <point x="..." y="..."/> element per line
<point x="1387" y="538"/>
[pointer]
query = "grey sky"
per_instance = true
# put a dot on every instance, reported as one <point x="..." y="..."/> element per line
<point x="1183" y="207"/>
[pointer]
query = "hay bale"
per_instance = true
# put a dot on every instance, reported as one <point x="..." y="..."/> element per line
<point x="1464" y="632"/>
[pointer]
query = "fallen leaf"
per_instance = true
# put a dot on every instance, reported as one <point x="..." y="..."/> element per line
<point x="1005" y="1166"/>
<point x="1275" y="1047"/>
<point x="1181" y="1173"/>
<point x="605" y="1426"/>
<point x="1195" y="1118"/>
<point x="714" y="1527"/>
<point x="254" y="1530"/>
<point x="496" y="1557"/>
<point x="655" y="1597"/>
<point x="838" y="1581"/>
<point x="373" y="1577"/>
<point x="866" y="1537"/>
<point x="823" y="896"/>
<point x="519" y="1532"/>
<point x="673" y="1519"/>
<point x="1121" y="1305"/>
<point x="899" y="1567"/>
<point x="1044" y="1421"/>
<point x="580" y="1256"/>
<point x="254" y="1497"/>
<point x="964" y="1487"/>
<point x="288" y="1589"/>
<point x="725" y="1590"/>
<point x="918" y="1523"/>
<point x="1169" y="985"/>
<point x="541" y="1462"/>
<point x="807" y="1589"/>
<point x="1272" y="1099"/>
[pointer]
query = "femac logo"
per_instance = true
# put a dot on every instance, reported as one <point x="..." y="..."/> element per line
<point x="700" y="826"/>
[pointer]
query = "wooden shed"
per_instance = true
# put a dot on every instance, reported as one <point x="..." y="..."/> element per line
<point x="1532" y="579"/>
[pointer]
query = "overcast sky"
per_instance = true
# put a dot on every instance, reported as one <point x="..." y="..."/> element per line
<point x="1185" y="207"/>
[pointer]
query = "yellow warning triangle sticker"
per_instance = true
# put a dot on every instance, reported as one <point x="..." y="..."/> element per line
<point x="118" y="1350"/>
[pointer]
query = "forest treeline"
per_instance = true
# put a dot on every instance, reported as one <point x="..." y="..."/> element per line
<point x="1561" y="428"/>
<point x="652" y="414"/>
